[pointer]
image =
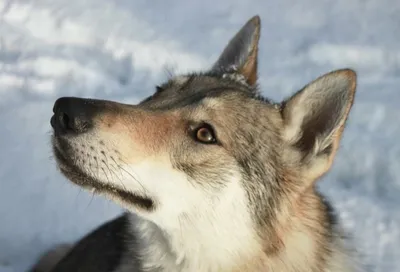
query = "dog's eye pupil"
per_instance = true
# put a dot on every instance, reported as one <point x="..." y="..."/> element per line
<point x="205" y="135"/>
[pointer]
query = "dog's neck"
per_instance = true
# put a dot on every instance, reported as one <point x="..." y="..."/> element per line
<point x="216" y="237"/>
<point x="308" y="239"/>
<point x="226" y="242"/>
<point x="192" y="249"/>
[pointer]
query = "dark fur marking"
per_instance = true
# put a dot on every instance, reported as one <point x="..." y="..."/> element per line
<point x="111" y="241"/>
<point x="329" y="211"/>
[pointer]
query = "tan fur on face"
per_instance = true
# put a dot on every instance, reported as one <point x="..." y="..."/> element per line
<point x="138" y="134"/>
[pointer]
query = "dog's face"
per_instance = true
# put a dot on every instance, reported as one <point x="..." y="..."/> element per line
<point x="183" y="149"/>
<point x="205" y="145"/>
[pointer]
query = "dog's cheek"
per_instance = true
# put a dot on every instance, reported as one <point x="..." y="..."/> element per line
<point x="206" y="166"/>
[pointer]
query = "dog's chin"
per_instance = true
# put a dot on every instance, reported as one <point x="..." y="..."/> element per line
<point x="77" y="176"/>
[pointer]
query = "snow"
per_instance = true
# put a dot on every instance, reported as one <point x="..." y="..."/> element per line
<point x="120" y="49"/>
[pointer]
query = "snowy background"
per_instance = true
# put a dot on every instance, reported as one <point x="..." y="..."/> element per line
<point x="120" y="49"/>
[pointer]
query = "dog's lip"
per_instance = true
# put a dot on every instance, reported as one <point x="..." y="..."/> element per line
<point x="65" y="162"/>
<point x="62" y="158"/>
<point x="59" y="147"/>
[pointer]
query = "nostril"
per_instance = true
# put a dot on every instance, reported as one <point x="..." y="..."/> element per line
<point x="64" y="120"/>
<point x="72" y="124"/>
<point x="67" y="120"/>
<point x="53" y="122"/>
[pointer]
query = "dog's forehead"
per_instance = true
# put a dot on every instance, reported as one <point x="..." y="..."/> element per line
<point x="192" y="89"/>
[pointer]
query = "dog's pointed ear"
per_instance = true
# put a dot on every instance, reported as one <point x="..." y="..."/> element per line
<point x="240" y="55"/>
<point x="314" y="119"/>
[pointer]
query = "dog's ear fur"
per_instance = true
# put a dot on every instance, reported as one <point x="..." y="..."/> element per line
<point x="240" y="55"/>
<point x="314" y="119"/>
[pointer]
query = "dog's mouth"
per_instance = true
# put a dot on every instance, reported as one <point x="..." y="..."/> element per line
<point x="69" y="167"/>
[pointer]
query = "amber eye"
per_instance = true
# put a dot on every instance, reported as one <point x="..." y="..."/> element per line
<point x="205" y="134"/>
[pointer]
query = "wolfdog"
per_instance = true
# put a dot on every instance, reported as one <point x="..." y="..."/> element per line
<point x="212" y="175"/>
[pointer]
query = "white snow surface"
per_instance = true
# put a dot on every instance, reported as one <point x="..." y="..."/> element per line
<point x="120" y="49"/>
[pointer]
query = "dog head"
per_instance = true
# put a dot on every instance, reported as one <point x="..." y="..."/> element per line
<point x="206" y="145"/>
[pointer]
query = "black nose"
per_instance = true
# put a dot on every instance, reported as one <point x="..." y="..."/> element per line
<point x="73" y="115"/>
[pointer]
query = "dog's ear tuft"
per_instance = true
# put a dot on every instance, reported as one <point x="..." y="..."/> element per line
<point x="240" y="55"/>
<point x="315" y="117"/>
